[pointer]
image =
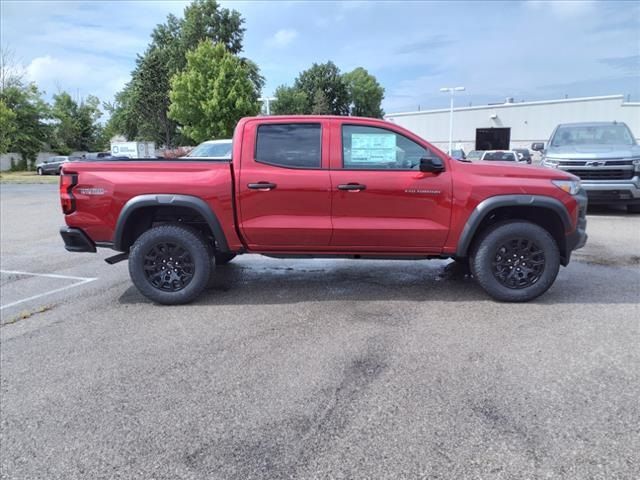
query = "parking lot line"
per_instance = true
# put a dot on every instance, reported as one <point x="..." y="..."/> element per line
<point x="80" y="281"/>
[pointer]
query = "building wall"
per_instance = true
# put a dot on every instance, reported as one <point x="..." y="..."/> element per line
<point x="529" y="122"/>
<point x="5" y="159"/>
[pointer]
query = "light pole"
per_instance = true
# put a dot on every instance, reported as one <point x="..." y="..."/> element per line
<point x="452" y="91"/>
<point x="267" y="101"/>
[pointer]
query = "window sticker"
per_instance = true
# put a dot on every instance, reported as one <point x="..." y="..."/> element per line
<point x="373" y="147"/>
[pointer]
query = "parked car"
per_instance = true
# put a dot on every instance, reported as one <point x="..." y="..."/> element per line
<point x="52" y="165"/>
<point x="604" y="155"/>
<point x="324" y="186"/>
<point x="211" y="149"/>
<point x="499" y="156"/>
<point x="475" y="155"/>
<point x="457" y="154"/>
<point x="524" y="155"/>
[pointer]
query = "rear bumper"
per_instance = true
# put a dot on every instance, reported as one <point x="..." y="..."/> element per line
<point x="75" y="240"/>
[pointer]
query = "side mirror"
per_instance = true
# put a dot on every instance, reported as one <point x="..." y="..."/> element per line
<point x="537" y="147"/>
<point x="431" y="165"/>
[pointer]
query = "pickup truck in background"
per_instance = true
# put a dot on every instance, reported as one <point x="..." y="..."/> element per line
<point x="324" y="186"/>
<point x="604" y="155"/>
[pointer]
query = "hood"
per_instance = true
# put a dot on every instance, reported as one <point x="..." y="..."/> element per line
<point x="584" y="152"/>
<point x="514" y="170"/>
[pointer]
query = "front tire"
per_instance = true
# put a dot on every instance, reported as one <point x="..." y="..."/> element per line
<point x="170" y="264"/>
<point x="515" y="261"/>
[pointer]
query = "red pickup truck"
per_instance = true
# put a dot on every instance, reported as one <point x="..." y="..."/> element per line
<point x="322" y="186"/>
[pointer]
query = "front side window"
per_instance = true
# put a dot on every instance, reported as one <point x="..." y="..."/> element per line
<point x="372" y="148"/>
<point x="293" y="145"/>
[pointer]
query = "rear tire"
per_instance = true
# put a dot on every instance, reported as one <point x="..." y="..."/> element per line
<point x="170" y="264"/>
<point x="635" y="208"/>
<point x="224" y="258"/>
<point x="515" y="261"/>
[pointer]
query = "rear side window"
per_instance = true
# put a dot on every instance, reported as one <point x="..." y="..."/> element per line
<point x="293" y="145"/>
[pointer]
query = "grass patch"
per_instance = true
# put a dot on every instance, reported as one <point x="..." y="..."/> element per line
<point x="27" y="177"/>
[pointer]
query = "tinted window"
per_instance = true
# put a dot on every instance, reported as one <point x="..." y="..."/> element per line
<point x="375" y="148"/>
<point x="295" y="145"/>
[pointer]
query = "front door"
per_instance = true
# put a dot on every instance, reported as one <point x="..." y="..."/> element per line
<point x="381" y="200"/>
<point x="284" y="188"/>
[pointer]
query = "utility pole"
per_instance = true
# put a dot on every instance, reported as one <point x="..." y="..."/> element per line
<point x="452" y="91"/>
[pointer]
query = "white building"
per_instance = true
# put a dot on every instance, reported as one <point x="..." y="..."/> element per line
<point x="513" y="125"/>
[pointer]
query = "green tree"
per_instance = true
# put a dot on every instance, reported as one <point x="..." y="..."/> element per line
<point x="212" y="93"/>
<point x="31" y="112"/>
<point x="8" y="127"/>
<point x="122" y="117"/>
<point x="143" y="104"/>
<point x="326" y="78"/>
<point x="75" y="126"/>
<point x="320" y="104"/>
<point x="289" y="101"/>
<point x="365" y="92"/>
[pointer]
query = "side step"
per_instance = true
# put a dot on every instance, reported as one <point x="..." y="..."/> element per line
<point x="117" y="258"/>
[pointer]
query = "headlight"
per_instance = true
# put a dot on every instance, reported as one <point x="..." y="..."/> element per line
<point x="570" y="186"/>
<point x="550" y="162"/>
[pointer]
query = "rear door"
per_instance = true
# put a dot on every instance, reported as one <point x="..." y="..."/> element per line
<point x="284" y="188"/>
<point x="381" y="200"/>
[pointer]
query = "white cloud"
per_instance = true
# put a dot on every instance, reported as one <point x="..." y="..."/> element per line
<point x="283" y="37"/>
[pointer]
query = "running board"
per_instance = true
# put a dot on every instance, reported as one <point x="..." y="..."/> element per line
<point x="117" y="258"/>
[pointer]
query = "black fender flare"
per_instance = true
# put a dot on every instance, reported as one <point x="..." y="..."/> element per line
<point x="486" y="206"/>
<point x="164" y="200"/>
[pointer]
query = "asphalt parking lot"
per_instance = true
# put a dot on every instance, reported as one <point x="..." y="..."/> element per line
<point x="314" y="368"/>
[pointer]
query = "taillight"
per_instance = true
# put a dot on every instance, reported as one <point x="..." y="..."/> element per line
<point x="67" y="200"/>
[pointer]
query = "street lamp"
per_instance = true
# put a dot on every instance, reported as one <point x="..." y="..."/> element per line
<point x="267" y="101"/>
<point x="452" y="91"/>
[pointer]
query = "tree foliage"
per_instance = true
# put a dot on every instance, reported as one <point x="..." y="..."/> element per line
<point x="213" y="92"/>
<point x="141" y="110"/>
<point x="27" y="120"/>
<point x="365" y="92"/>
<point x="8" y="127"/>
<point x="324" y="77"/>
<point x="323" y="90"/>
<point x="289" y="101"/>
<point x="75" y="125"/>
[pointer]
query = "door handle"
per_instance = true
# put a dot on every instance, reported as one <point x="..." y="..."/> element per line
<point x="262" y="186"/>
<point x="352" y="187"/>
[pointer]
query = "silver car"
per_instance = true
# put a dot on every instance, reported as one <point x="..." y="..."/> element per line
<point x="604" y="155"/>
<point x="51" y="166"/>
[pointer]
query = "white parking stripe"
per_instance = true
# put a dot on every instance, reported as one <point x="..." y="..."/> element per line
<point x="80" y="281"/>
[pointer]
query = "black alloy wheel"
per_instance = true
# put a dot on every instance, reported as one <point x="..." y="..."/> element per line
<point x="518" y="263"/>
<point x="168" y="266"/>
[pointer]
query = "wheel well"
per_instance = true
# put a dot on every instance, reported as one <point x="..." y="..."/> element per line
<point x="144" y="218"/>
<point x="544" y="217"/>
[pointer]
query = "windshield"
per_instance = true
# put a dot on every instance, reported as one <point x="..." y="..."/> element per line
<point x="500" y="156"/>
<point x="217" y="150"/>
<point x="592" y="134"/>
<point x="473" y="154"/>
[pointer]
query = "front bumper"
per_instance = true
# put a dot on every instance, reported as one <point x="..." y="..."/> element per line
<point x="578" y="238"/>
<point x="75" y="240"/>
<point x="622" y="191"/>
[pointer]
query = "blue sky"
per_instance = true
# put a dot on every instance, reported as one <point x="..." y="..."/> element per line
<point x="529" y="50"/>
